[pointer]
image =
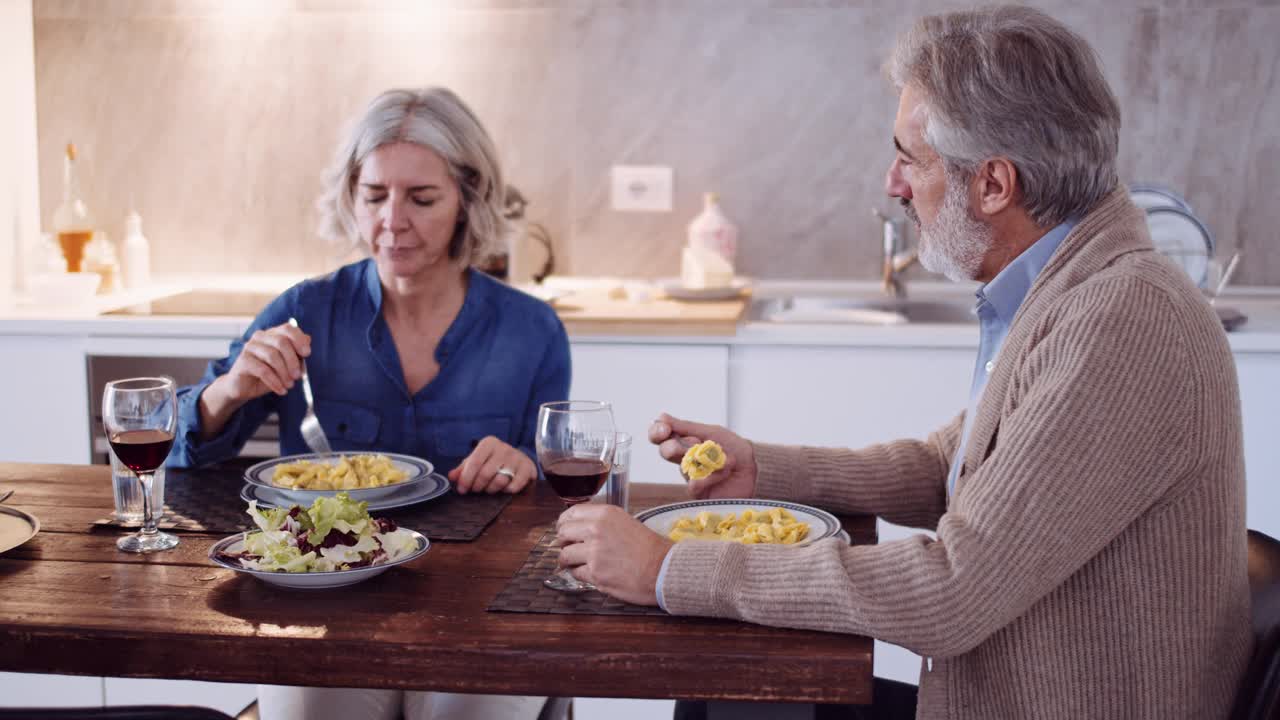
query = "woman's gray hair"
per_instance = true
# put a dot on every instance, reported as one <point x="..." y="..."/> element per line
<point x="437" y="119"/>
<point x="1012" y="82"/>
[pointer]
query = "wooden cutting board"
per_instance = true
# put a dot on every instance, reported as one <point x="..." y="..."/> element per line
<point x="595" y="313"/>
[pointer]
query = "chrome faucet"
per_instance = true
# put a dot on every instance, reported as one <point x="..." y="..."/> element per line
<point x="896" y="257"/>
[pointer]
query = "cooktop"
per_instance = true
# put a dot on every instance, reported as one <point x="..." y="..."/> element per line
<point x="202" y="302"/>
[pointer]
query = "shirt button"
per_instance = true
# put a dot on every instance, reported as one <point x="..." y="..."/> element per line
<point x="990" y="364"/>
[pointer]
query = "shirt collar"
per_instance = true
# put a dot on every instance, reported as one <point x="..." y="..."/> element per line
<point x="1006" y="291"/>
<point x="373" y="284"/>
<point x="480" y="288"/>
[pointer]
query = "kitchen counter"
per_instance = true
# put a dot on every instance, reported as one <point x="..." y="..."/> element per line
<point x="1260" y="334"/>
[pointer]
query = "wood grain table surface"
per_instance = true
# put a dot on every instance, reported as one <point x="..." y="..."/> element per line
<point x="70" y="602"/>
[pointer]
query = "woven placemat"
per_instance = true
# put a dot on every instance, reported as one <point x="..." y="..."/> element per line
<point x="203" y="500"/>
<point x="525" y="593"/>
<point x="451" y="517"/>
<point x="208" y="500"/>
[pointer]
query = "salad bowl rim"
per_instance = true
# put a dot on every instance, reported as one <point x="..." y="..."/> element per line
<point x="217" y="550"/>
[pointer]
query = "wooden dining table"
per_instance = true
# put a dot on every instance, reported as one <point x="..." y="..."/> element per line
<point x="71" y="603"/>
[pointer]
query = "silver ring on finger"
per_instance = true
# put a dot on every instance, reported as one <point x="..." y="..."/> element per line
<point x="511" y="475"/>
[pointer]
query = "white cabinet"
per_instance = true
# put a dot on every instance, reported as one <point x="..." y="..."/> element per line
<point x="845" y="396"/>
<point x="27" y="690"/>
<point x="45" y="389"/>
<point x="618" y="709"/>
<point x="229" y="698"/>
<point x="643" y="381"/>
<point x="1259" y="375"/>
<point x="849" y="397"/>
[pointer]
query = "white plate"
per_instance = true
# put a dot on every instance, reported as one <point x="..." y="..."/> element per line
<point x="676" y="291"/>
<point x="1154" y="196"/>
<point x="431" y="488"/>
<point x="16" y="527"/>
<point x="822" y="524"/>
<point x="1181" y="237"/>
<point x="311" y="580"/>
<point x="417" y="471"/>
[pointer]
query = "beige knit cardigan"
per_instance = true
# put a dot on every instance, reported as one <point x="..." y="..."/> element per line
<point x="1091" y="562"/>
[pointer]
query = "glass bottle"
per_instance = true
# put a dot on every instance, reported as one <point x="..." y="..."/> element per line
<point x="71" y="221"/>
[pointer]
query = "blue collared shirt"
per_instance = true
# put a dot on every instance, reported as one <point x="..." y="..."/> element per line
<point x="504" y="354"/>
<point x="998" y="302"/>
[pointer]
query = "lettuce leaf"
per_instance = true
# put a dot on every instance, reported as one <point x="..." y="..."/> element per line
<point x="338" y="511"/>
<point x="269" y="518"/>
<point x="398" y="543"/>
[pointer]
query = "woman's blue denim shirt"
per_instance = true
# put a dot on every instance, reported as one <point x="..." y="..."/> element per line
<point x="504" y="355"/>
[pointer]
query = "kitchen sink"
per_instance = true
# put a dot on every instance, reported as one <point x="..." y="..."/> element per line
<point x="862" y="311"/>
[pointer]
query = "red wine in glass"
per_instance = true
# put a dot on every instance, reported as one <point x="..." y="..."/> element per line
<point x="576" y="480"/>
<point x="142" y="451"/>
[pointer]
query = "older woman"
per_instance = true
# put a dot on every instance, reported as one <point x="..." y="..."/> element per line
<point x="408" y="351"/>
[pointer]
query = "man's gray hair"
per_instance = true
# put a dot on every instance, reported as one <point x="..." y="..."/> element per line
<point x="1010" y="81"/>
<point x="434" y="118"/>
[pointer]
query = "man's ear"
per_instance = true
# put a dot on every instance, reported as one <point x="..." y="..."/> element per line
<point x="996" y="186"/>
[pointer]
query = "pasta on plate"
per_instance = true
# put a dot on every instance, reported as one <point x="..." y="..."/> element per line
<point x="351" y="472"/>
<point x="772" y="526"/>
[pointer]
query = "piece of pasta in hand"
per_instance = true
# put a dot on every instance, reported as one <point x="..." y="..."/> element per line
<point x="702" y="459"/>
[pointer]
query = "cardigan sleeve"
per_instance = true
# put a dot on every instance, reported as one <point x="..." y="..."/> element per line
<point x="904" y="481"/>
<point x="1100" y="433"/>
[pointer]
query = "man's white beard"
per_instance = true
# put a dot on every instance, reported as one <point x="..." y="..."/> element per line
<point x="956" y="242"/>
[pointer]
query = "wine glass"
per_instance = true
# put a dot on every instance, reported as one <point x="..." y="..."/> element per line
<point x="140" y="416"/>
<point x="575" y="443"/>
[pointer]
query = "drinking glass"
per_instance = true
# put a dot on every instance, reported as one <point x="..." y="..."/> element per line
<point x="1217" y="274"/>
<point x="618" y="487"/>
<point x="140" y="417"/>
<point x="127" y="492"/>
<point x="575" y="443"/>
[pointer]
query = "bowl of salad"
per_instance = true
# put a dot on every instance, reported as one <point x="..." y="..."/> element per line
<point x="332" y="543"/>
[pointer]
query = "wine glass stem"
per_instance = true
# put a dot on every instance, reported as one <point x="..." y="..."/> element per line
<point x="148" y="513"/>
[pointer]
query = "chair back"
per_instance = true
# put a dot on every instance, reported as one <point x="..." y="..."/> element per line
<point x="557" y="708"/>
<point x="1259" y="695"/>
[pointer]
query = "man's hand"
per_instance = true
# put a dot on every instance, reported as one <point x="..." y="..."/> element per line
<point x="492" y="467"/>
<point x="737" y="479"/>
<point x="608" y="548"/>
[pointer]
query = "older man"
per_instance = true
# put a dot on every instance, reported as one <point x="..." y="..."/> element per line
<point x="1090" y="556"/>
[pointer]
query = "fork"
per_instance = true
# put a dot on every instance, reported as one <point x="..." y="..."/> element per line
<point x="312" y="433"/>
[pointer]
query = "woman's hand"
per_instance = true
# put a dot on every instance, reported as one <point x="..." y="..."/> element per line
<point x="271" y="361"/>
<point x="737" y="479"/>
<point x="493" y="466"/>
<point x="608" y="548"/>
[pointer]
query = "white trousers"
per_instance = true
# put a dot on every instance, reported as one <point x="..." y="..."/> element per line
<point x="277" y="702"/>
